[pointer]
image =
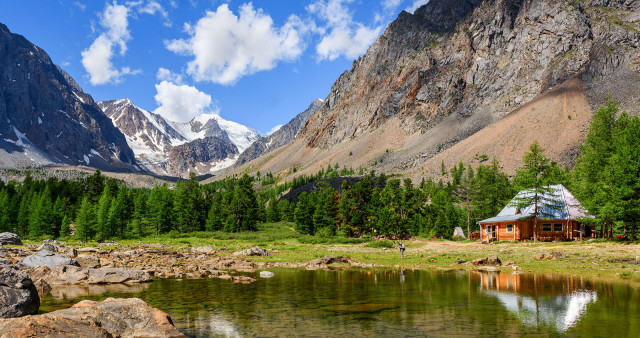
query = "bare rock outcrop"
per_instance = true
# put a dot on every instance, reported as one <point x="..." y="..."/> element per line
<point x="130" y="317"/>
<point x="18" y="295"/>
<point x="70" y="275"/>
<point x="46" y="258"/>
<point x="255" y="251"/>
<point x="10" y="238"/>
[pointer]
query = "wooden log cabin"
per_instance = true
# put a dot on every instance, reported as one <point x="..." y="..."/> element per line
<point x="558" y="219"/>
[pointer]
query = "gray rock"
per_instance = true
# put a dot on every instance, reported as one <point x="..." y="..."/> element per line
<point x="266" y="274"/>
<point x="10" y="238"/>
<point x="255" y="251"/>
<point x="88" y="261"/>
<point x="203" y="250"/>
<point x="110" y="318"/>
<point x="74" y="275"/>
<point x="49" y="245"/>
<point x="18" y="295"/>
<point x="46" y="258"/>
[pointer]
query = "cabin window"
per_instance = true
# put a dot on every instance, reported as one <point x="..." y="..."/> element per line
<point x="557" y="227"/>
<point x="546" y="227"/>
<point x="509" y="227"/>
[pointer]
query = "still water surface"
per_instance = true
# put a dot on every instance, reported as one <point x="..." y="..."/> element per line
<point x="385" y="303"/>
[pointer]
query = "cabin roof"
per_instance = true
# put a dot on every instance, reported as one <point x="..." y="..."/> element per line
<point x="559" y="203"/>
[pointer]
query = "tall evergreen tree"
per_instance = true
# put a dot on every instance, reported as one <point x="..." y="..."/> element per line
<point x="273" y="214"/>
<point x="534" y="176"/>
<point x="85" y="220"/>
<point x="244" y="205"/>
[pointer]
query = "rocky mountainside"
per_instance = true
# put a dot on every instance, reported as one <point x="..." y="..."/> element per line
<point x="279" y="138"/>
<point x="45" y="117"/>
<point x="205" y="144"/>
<point x="506" y="72"/>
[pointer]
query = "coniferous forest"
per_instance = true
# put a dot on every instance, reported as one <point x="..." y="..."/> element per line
<point x="606" y="179"/>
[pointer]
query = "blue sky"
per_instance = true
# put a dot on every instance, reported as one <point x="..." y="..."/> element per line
<point x="258" y="63"/>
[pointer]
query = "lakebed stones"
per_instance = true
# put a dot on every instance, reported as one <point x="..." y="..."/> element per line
<point x="46" y="258"/>
<point x="130" y="317"/>
<point x="70" y="275"/>
<point x="18" y="295"/>
<point x="10" y="238"/>
<point x="266" y="274"/>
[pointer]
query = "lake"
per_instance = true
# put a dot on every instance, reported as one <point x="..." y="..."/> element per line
<point x="384" y="303"/>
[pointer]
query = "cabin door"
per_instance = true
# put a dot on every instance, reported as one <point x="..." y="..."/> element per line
<point x="491" y="232"/>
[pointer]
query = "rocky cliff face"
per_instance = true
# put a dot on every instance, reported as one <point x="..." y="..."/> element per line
<point x="477" y="60"/>
<point x="455" y="67"/>
<point x="45" y="117"/>
<point x="281" y="137"/>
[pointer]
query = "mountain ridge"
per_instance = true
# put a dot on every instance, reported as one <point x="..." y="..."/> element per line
<point x="49" y="119"/>
<point x="453" y="70"/>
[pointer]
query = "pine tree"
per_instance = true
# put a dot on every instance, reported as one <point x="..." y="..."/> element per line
<point x="139" y="220"/>
<point x="244" y="205"/>
<point x="23" y="214"/>
<point x="160" y="209"/>
<point x="302" y="217"/>
<point x="217" y="215"/>
<point x="85" y="220"/>
<point x="5" y="217"/>
<point x="273" y="214"/>
<point x="104" y="230"/>
<point x="117" y="217"/>
<point x="492" y="190"/>
<point x="285" y="211"/>
<point x="534" y="176"/>
<point x="65" y="229"/>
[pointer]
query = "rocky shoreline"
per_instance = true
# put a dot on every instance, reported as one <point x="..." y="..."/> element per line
<point x="126" y="264"/>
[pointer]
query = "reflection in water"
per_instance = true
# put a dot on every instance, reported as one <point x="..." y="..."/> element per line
<point x="76" y="291"/>
<point x="386" y="303"/>
<point x="530" y="298"/>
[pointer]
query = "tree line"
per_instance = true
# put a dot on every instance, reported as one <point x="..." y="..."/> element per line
<point x="606" y="179"/>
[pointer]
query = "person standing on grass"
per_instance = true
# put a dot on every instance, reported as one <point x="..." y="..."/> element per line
<point x="402" y="248"/>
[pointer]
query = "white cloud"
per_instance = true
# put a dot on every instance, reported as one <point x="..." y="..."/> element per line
<point x="80" y="5"/>
<point x="390" y="5"/>
<point x="342" y="35"/>
<point x="274" y="129"/>
<point x="181" y="103"/>
<point x="227" y="46"/>
<point x="164" y="74"/>
<point x="415" y="5"/>
<point x="97" y="58"/>
<point x="152" y="7"/>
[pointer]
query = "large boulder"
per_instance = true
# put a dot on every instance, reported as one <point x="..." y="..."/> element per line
<point x="88" y="261"/>
<point x="10" y="238"/>
<point x="46" y="258"/>
<point x="255" y="251"/>
<point x="70" y="275"/>
<point x="49" y="245"/>
<point x="18" y="295"/>
<point x="130" y="317"/>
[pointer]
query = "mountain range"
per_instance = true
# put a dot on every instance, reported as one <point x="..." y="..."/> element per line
<point x="456" y="81"/>
<point x="51" y="120"/>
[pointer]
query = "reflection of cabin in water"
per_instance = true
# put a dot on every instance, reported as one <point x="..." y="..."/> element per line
<point x="550" y="300"/>
<point x="558" y="218"/>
